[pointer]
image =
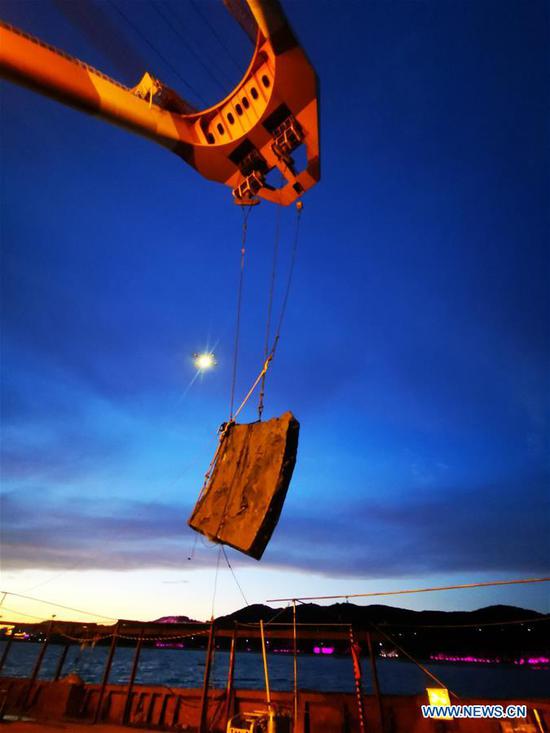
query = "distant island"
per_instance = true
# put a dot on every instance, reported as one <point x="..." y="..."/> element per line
<point x="491" y="634"/>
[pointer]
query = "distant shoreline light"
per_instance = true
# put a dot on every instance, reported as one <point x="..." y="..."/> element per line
<point x="533" y="661"/>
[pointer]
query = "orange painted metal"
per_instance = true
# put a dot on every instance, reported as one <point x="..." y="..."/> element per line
<point x="239" y="141"/>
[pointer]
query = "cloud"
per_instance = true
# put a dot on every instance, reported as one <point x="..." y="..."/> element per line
<point x="40" y="530"/>
<point x="499" y="528"/>
<point x="61" y="458"/>
<point x="52" y="431"/>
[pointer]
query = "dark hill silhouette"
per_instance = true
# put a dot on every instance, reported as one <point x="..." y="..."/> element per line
<point x="363" y="616"/>
<point x="505" y="632"/>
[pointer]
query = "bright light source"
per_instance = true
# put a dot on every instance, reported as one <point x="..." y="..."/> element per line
<point x="439" y="696"/>
<point x="204" y="361"/>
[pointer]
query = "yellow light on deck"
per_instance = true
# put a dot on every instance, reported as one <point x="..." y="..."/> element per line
<point x="439" y="696"/>
<point x="204" y="361"/>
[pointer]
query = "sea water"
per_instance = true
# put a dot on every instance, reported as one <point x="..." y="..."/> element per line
<point x="175" y="668"/>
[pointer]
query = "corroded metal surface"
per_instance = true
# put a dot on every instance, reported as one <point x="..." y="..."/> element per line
<point x="176" y="709"/>
<point x="244" y="496"/>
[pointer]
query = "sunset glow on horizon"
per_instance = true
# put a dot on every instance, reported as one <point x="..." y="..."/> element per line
<point x="414" y="352"/>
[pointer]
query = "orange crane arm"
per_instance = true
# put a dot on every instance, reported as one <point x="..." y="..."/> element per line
<point x="256" y="128"/>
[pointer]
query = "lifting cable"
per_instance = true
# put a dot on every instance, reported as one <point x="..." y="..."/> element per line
<point x="216" y="35"/>
<point x="299" y="209"/>
<point x="271" y="352"/>
<point x="175" y="30"/>
<point x="234" y="575"/>
<point x="485" y="584"/>
<point x="246" y="215"/>
<point x="270" y="305"/>
<point x="155" y="49"/>
<point x="216" y="580"/>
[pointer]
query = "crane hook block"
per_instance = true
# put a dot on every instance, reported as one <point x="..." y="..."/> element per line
<point x="271" y="112"/>
<point x="245" y="492"/>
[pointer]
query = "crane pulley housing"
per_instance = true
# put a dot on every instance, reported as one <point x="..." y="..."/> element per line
<point x="272" y="111"/>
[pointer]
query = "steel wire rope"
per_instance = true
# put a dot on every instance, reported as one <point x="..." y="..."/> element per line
<point x="191" y="554"/>
<point x="59" y="605"/>
<point x="299" y="209"/>
<point x="234" y="575"/>
<point x="57" y="575"/>
<point x="108" y="542"/>
<point x="20" y="613"/>
<point x="254" y="625"/>
<point x="233" y="415"/>
<point x="304" y="624"/>
<point x="270" y="305"/>
<point x="246" y="216"/>
<point x="216" y="580"/>
<point x="217" y="36"/>
<point x="159" y="54"/>
<point x="487" y="584"/>
<point x="276" y="615"/>
<point x="483" y="624"/>
<point x="216" y="714"/>
<point x="175" y="13"/>
<point x="271" y="355"/>
<point x="179" y="34"/>
<point x="415" y="661"/>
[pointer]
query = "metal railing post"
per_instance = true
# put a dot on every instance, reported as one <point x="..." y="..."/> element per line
<point x="61" y="662"/>
<point x="106" y="672"/>
<point x="128" y="703"/>
<point x="207" y="667"/>
<point x="230" y="678"/>
<point x="6" y="652"/>
<point x="375" y="683"/>
<point x="36" y="668"/>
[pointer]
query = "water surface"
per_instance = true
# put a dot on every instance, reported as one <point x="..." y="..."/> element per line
<point x="185" y="668"/>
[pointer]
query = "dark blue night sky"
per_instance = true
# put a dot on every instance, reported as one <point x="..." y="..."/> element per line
<point x="416" y="346"/>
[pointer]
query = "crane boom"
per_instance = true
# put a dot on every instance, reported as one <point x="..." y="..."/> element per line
<point x="238" y="141"/>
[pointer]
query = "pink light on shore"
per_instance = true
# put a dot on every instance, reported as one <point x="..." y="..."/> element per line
<point x="323" y="650"/>
<point x="169" y="645"/>
<point x="532" y="660"/>
<point x="469" y="659"/>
